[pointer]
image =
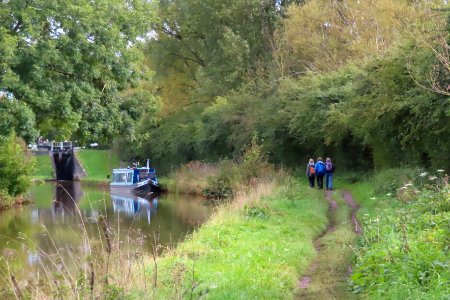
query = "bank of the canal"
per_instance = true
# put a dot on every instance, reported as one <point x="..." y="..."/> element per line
<point x="254" y="248"/>
<point x="49" y="237"/>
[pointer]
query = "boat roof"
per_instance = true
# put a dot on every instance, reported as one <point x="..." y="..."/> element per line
<point x="130" y="169"/>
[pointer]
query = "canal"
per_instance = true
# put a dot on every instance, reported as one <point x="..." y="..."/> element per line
<point x="65" y="216"/>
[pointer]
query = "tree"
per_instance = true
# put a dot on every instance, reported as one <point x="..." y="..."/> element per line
<point x="67" y="61"/>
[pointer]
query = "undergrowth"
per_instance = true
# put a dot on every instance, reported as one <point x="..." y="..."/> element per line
<point x="404" y="252"/>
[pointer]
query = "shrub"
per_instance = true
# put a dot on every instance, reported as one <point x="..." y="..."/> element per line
<point x="16" y="167"/>
<point x="389" y="180"/>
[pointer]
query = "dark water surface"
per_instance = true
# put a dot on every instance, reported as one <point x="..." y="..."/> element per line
<point x="60" y="212"/>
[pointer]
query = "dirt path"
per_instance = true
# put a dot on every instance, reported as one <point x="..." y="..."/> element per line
<point x="347" y="196"/>
<point x="326" y="277"/>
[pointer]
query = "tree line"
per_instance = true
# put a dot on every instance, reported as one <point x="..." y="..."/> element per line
<point x="181" y="80"/>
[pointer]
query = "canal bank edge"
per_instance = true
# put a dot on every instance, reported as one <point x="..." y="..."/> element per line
<point x="256" y="246"/>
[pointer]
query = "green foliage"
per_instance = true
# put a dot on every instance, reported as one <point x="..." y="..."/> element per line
<point x="16" y="116"/>
<point x="218" y="187"/>
<point x="66" y="62"/>
<point x="403" y="252"/>
<point x="389" y="180"/>
<point x="16" y="167"/>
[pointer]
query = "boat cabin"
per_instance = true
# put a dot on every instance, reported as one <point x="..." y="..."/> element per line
<point x="130" y="176"/>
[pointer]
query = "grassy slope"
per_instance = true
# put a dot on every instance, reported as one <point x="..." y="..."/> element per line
<point x="44" y="168"/>
<point x="252" y="251"/>
<point x="97" y="164"/>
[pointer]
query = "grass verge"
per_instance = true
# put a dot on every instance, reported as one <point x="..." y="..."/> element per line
<point x="44" y="168"/>
<point x="253" y="248"/>
<point x="97" y="164"/>
<point x="404" y="250"/>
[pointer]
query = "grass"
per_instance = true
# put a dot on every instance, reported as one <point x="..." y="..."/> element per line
<point x="403" y="252"/>
<point x="44" y="168"/>
<point x="330" y="269"/>
<point x="253" y="248"/>
<point x="97" y="164"/>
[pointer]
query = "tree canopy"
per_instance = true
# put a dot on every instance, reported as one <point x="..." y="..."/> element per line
<point x="66" y="63"/>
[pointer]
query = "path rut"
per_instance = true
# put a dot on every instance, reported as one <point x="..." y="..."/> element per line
<point x="325" y="276"/>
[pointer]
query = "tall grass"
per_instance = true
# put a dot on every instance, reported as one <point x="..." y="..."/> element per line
<point x="403" y="252"/>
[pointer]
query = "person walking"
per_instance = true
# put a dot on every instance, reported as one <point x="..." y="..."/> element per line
<point x="320" y="172"/>
<point x="311" y="172"/>
<point x="329" y="171"/>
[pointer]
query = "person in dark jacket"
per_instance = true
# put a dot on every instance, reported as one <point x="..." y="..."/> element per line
<point x="329" y="171"/>
<point x="320" y="172"/>
<point x="311" y="172"/>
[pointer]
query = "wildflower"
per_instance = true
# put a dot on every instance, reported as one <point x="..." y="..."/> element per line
<point x="440" y="171"/>
<point x="389" y="194"/>
<point x="373" y="198"/>
<point x="423" y="174"/>
<point x="408" y="184"/>
<point x="432" y="178"/>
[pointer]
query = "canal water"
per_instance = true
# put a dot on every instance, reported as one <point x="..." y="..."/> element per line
<point x="61" y="211"/>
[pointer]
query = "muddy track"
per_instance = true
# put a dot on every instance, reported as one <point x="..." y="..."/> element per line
<point x="305" y="282"/>
<point x="347" y="196"/>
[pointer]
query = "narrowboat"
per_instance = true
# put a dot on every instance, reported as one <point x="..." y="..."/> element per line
<point x="134" y="179"/>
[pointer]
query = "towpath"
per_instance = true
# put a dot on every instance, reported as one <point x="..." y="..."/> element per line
<point x="326" y="277"/>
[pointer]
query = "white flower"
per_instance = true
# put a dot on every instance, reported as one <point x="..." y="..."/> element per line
<point x="440" y="171"/>
<point x="373" y="198"/>
<point x="388" y="194"/>
<point x="408" y="184"/>
<point x="432" y="178"/>
<point x="423" y="174"/>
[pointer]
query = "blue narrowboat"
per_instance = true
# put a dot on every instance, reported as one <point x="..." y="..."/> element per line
<point x="134" y="179"/>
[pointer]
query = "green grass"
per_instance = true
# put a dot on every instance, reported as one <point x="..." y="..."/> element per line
<point x="44" y="168"/>
<point x="403" y="252"/>
<point x="330" y="275"/>
<point x="97" y="164"/>
<point x="255" y="251"/>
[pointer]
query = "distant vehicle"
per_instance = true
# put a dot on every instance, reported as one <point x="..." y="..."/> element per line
<point x="32" y="146"/>
<point x="134" y="179"/>
<point x="93" y="145"/>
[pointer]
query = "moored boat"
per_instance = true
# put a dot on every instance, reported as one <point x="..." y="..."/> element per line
<point x="134" y="179"/>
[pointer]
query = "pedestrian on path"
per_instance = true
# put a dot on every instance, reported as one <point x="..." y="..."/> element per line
<point x="320" y="172"/>
<point x="311" y="172"/>
<point x="329" y="171"/>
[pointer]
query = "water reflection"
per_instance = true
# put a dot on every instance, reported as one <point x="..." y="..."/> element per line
<point x="62" y="211"/>
<point x="67" y="195"/>
<point x="135" y="206"/>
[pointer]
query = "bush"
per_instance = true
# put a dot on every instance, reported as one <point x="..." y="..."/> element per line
<point x="16" y="167"/>
<point x="389" y="180"/>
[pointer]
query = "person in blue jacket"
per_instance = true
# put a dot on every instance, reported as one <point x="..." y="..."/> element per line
<point x="320" y="172"/>
<point x="329" y="171"/>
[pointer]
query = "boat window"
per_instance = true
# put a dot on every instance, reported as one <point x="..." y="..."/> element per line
<point x="123" y="177"/>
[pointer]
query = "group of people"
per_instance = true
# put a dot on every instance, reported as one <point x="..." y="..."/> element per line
<point x="319" y="170"/>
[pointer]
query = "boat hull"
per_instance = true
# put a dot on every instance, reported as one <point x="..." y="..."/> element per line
<point x="142" y="186"/>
